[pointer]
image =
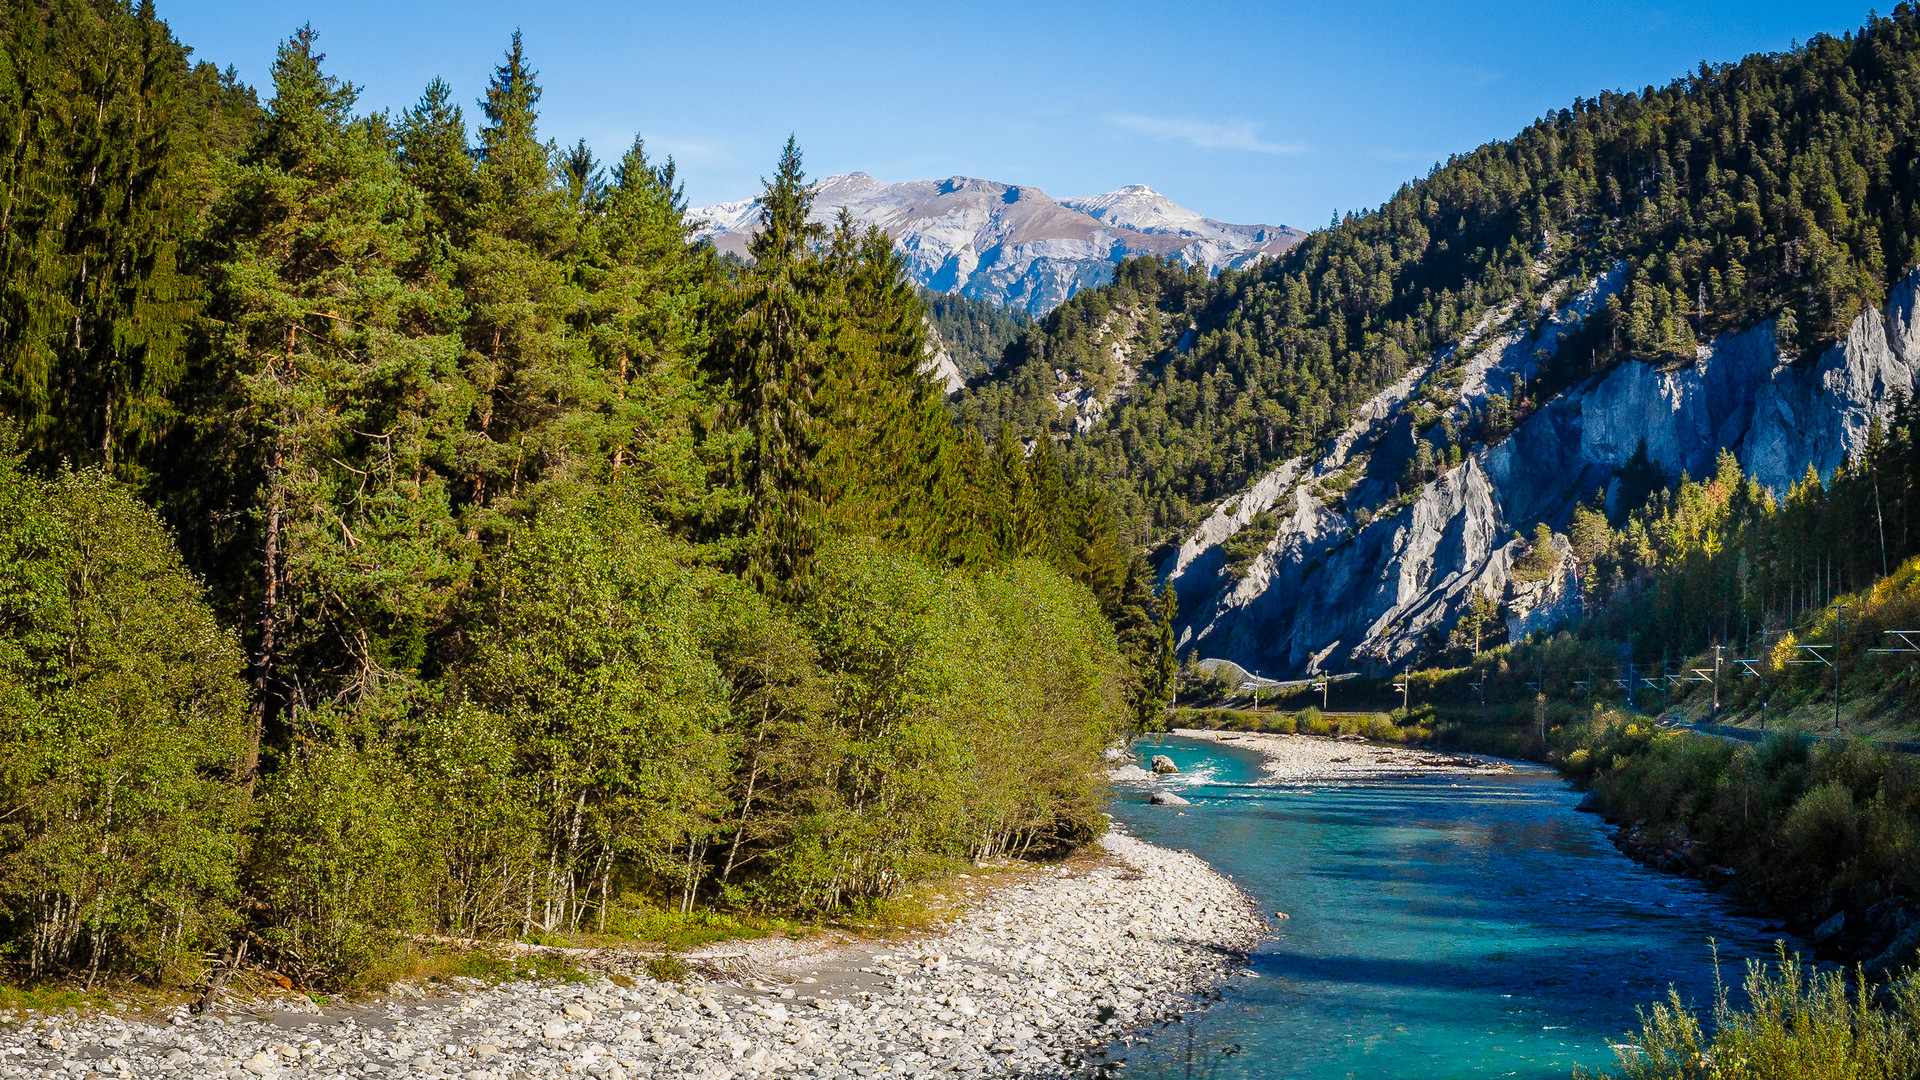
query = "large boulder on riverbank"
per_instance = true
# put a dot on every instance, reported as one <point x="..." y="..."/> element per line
<point x="1164" y="764"/>
<point x="1168" y="798"/>
<point x="1897" y="955"/>
<point x="1129" y="774"/>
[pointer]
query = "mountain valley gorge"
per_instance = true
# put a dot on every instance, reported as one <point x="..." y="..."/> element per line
<point x="465" y="611"/>
<point x="1334" y="452"/>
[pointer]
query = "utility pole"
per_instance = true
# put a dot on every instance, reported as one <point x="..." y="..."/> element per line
<point x="1833" y="663"/>
<point x="1405" y="687"/>
<point x="1839" y="628"/>
<point x="1716" y="684"/>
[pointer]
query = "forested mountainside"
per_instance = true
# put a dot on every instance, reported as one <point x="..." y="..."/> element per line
<point x="975" y="333"/>
<point x="1383" y="360"/>
<point x="405" y="536"/>
<point x="1778" y="185"/>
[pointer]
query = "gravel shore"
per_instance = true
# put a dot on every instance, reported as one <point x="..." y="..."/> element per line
<point x="1041" y="973"/>
<point x="1299" y="759"/>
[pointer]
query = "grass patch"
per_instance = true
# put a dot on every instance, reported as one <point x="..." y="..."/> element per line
<point x="426" y="964"/>
<point x="51" y="998"/>
<point x="676" y="930"/>
<point x="909" y="912"/>
<point x="669" y="967"/>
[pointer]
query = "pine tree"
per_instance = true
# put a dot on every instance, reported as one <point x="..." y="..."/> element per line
<point x="434" y="155"/>
<point x="333" y="403"/>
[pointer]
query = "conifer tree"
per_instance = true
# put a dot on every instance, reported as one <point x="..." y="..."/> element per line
<point x="648" y="291"/>
<point x="770" y="346"/>
<point x="434" y="155"/>
<point x="97" y="305"/>
<point x="519" y="290"/>
<point x="334" y="405"/>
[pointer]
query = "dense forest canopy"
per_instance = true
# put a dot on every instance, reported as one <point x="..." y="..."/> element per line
<point x="976" y="333"/>
<point x="1780" y="186"/>
<point x="385" y="485"/>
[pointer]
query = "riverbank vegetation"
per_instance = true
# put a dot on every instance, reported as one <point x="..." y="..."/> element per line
<point x="1798" y="1023"/>
<point x="407" y="529"/>
<point x="1823" y="831"/>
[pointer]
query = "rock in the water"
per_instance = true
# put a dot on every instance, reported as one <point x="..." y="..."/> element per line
<point x="1129" y="774"/>
<point x="1168" y="798"/>
<point x="1164" y="764"/>
<point x="1826" y="930"/>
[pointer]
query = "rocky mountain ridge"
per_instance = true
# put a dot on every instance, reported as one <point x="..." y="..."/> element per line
<point x="1015" y="245"/>
<point x="1358" y="573"/>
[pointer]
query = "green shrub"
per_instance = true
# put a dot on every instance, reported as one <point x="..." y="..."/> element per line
<point x="1822" y="831"/>
<point x="669" y="967"/>
<point x="1798" y="1025"/>
<point x="337" y="864"/>
<point x="122" y="720"/>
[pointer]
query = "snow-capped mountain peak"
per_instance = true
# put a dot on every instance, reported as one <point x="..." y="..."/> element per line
<point x="1138" y="207"/>
<point x="1014" y="244"/>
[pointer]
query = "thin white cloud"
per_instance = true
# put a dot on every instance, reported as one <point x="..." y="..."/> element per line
<point x="1203" y="135"/>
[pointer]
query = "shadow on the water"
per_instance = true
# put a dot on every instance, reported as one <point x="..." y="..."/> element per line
<point x="1567" y="987"/>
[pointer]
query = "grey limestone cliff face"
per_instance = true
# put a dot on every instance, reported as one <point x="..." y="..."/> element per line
<point x="1365" y="576"/>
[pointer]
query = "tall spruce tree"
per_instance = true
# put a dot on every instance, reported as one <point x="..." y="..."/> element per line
<point x="516" y="275"/>
<point x="648" y="288"/>
<point x="435" y="157"/>
<point x="95" y="303"/>
<point x="769" y="345"/>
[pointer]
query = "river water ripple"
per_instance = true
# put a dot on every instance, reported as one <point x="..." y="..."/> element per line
<point x="1440" y="927"/>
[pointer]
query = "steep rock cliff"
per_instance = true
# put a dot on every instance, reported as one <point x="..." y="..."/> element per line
<point x="1362" y="574"/>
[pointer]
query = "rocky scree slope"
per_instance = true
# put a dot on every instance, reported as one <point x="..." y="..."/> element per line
<point x="1353" y="572"/>
<point x="1013" y="245"/>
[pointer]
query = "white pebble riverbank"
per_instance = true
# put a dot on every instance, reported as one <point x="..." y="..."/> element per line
<point x="1041" y="973"/>
<point x="1312" y="759"/>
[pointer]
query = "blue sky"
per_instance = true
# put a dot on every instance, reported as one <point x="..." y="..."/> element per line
<point x="1277" y="113"/>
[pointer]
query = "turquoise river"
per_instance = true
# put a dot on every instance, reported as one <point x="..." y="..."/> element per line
<point x="1439" y="927"/>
